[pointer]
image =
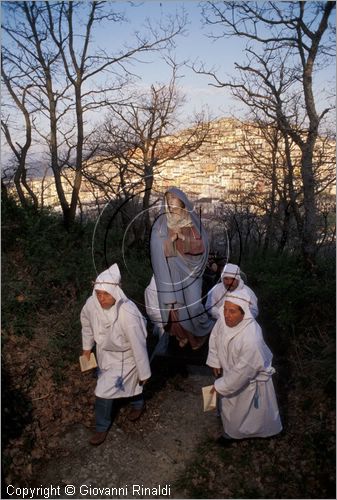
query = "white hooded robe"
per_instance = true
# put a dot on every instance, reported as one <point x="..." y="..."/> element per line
<point x="153" y="308"/>
<point x="217" y="294"/>
<point x="120" y="337"/>
<point x="248" y="403"/>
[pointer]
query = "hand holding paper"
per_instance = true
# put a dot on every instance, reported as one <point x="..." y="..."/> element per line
<point x="209" y="397"/>
<point x="87" y="364"/>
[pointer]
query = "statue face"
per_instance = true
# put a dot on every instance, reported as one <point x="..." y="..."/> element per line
<point x="175" y="205"/>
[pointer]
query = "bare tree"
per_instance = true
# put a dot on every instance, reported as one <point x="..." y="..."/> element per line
<point x="20" y="151"/>
<point x="266" y="166"/>
<point x="277" y="192"/>
<point x="60" y="59"/>
<point x="139" y="138"/>
<point x="278" y="82"/>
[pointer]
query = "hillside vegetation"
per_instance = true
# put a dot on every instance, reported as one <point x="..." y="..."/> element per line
<point x="46" y="278"/>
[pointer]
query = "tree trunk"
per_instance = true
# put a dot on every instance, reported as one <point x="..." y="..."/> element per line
<point x="285" y="231"/>
<point x="270" y="218"/>
<point x="79" y="157"/>
<point x="53" y="151"/>
<point x="4" y="191"/>
<point x="31" y="193"/>
<point x="309" y="234"/>
<point x="146" y="201"/>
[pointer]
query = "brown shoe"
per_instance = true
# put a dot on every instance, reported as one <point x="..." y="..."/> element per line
<point x="98" y="438"/>
<point x="134" y="414"/>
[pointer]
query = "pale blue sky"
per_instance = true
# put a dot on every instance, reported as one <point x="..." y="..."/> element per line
<point x="220" y="54"/>
<point x="195" y="45"/>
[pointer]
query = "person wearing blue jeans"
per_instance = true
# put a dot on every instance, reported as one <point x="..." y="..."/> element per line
<point x="114" y="324"/>
<point x="106" y="408"/>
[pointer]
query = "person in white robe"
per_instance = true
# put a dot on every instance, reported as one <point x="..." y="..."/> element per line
<point x="154" y="314"/>
<point x="230" y="280"/>
<point x="153" y="308"/>
<point x="114" y="324"/>
<point x="242" y="362"/>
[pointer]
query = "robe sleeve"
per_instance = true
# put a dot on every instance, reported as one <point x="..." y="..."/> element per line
<point x="134" y="328"/>
<point x="212" y="304"/>
<point x="249" y="362"/>
<point x="87" y="333"/>
<point x="213" y="359"/>
<point x="252" y="302"/>
<point x="254" y="307"/>
<point x="152" y="305"/>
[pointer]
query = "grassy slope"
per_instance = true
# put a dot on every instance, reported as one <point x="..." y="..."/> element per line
<point x="298" y="319"/>
<point x="46" y="278"/>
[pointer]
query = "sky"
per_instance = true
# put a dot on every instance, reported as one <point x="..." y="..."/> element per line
<point x="221" y="54"/>
<point x="151" y="68"/>
<point x="195" y="45"/>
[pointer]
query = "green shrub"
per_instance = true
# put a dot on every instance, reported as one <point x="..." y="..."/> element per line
<point x="297" y="311"/>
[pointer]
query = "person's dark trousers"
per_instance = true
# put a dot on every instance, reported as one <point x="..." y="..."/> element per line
<point x="105" y="410"/>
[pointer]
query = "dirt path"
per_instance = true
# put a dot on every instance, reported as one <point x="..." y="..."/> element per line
<point x="151" y="453"/>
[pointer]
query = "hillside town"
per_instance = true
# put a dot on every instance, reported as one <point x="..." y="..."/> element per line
<point x="220" y="171"/>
